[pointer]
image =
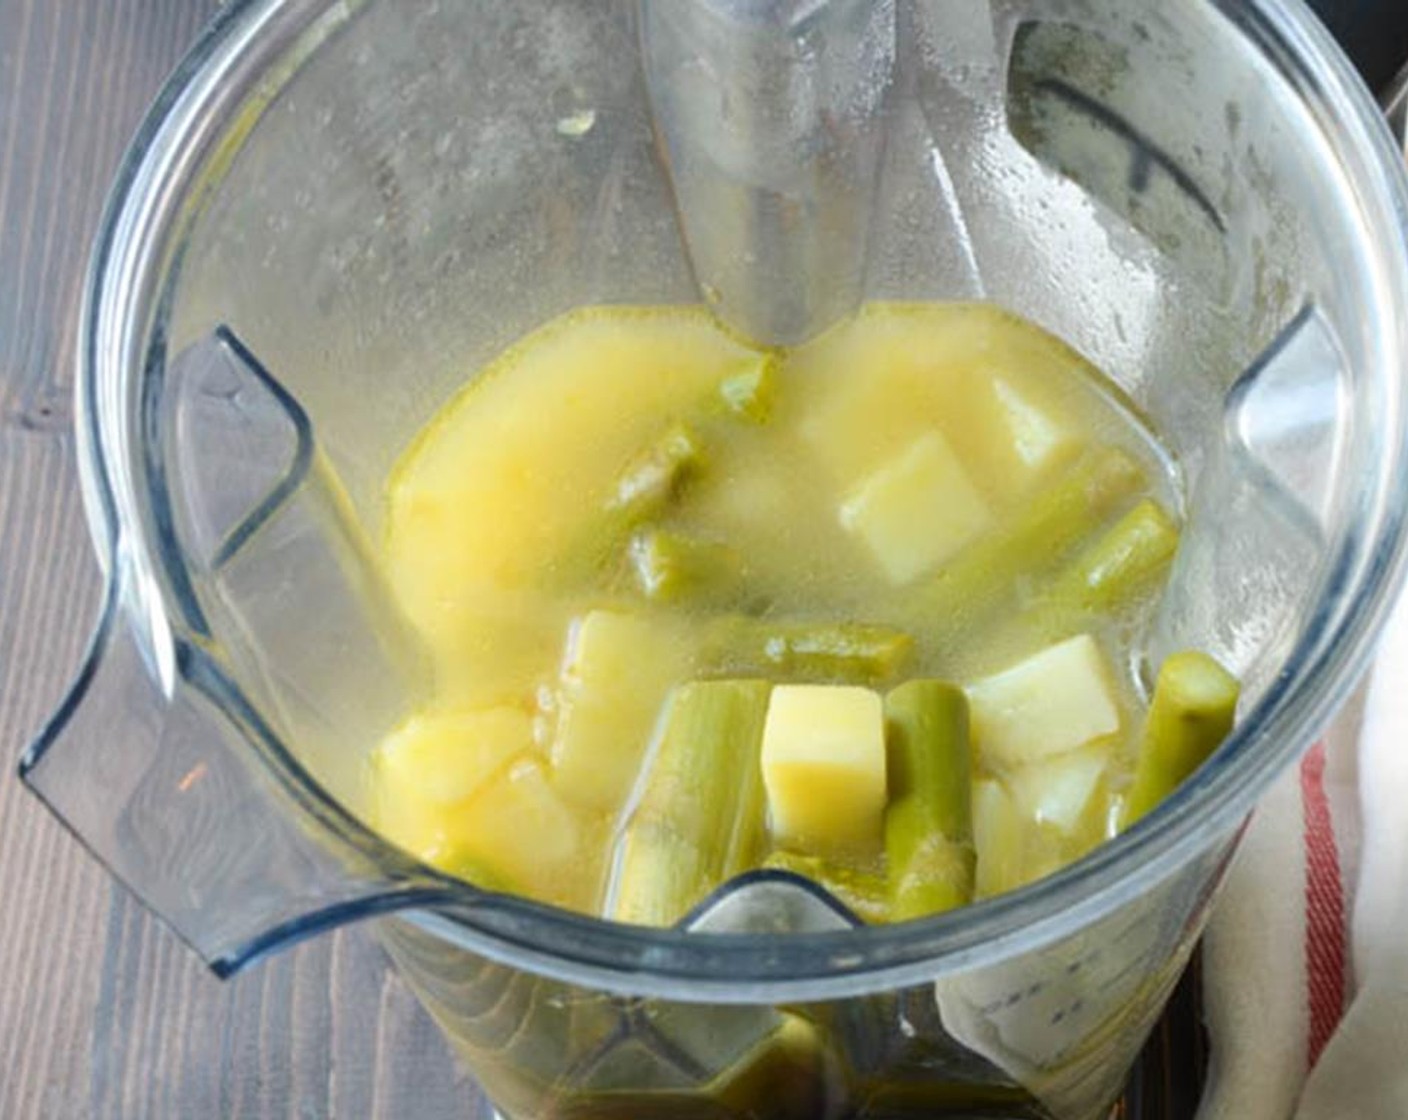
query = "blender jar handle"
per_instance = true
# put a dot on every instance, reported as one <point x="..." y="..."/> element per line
<point x="191" y="802"/>
<point x="168" y="757"/>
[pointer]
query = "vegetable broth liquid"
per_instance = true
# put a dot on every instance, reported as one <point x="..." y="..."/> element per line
<point x="629" y="503"/>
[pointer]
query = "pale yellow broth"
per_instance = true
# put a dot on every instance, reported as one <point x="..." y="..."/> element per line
<point x="498" y="545"/>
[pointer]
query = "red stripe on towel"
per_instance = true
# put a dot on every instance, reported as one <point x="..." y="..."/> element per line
<point x="1324" y="908"/>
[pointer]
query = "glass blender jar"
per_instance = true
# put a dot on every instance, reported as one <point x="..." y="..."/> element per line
<point x="338" y="207"/>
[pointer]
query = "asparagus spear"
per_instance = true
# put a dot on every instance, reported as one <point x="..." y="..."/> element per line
<point x="1134" y="553"/>
<point x="686" y="826"/>
<point x="748" y="837"/>
<point x="660" y="874"/>
<point x="1111" y="574"/>
<point x="817" y="651"/>
<point x="655" y="475"/>
<point x="1195" y="701"/>
<point x="670" y="566"/>
<point x="864" y="892"/>
<point x="748" y="393"/>
<point x="1050" y="523"/>
<point x="928" y="824"/>
<point x="645" y="488"/>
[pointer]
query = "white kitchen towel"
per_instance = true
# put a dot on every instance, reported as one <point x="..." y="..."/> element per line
<point x="1306" y="958"/>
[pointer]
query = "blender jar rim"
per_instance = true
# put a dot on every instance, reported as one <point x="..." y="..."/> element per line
<point x="158" y="188"/>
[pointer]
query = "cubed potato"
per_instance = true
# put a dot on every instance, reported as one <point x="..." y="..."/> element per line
<point x="917" y="510"/>
<point x="824" y="768"/>
<point x="464" y="792"/>
<point x="525" y="835"/>
<point x="432" y="766"/>
<point x="1054" y="701"/>
<point x="443" y="758"/>
<point x="1034" y="436"/>
<point x="1057" y="789"/>
<point x="616" y="674"/>
<point x="999" y="839"/>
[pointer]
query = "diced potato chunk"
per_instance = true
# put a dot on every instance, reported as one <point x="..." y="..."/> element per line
<point x="617" y="672"/>
<point x="824" y="767"/>
<point x="462" y="790"/>
<point x="1055" y="701"/>
<point x="999" y="838"/>
<point x="524" y="835"/>
<point x="1057" y="790"/>
<point x="430" y="768"/>
<point x="444" y="758"/>
<point x="917" y="510"/>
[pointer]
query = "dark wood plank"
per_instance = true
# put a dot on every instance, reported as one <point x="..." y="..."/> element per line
<point x="51" y="922"/>
<point x="102" y="1012"/>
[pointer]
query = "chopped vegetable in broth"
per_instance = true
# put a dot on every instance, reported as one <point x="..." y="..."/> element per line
<point x="866" y="610"/>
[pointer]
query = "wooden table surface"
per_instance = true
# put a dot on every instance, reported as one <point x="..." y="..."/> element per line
<point x="102" y="1012"/>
